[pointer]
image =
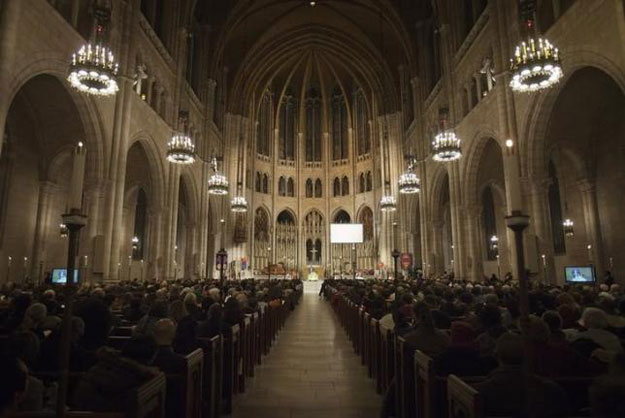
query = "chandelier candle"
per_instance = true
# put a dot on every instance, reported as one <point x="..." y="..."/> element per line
<point x="78" y="177"/>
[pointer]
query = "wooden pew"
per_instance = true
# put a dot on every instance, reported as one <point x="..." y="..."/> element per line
<point x="376" y="364"/>
<point x="243" y="353"/>
<point x="122" y="331"/>
<point x="366" y="342"/>
<point x="387" y="356"/>
<point x="212" y="376"/>
<point x="404" y="379"/>
<point x="184" y="389"/>
<point x="463" y="400"/>
<point x="230" y="369"/>
<point x="146" y="401"/>
<point x="118" y="342"/>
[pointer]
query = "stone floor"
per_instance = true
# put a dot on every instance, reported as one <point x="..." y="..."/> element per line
<point x="311" y="371"/>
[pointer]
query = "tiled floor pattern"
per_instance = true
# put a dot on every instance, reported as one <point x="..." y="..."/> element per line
<point x="311" y="371"/>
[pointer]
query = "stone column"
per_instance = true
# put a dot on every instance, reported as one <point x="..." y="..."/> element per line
<point x="46" y="191"/>
<point x="588" y="189"/>
<point x="541" y="226"/>
<point x="171" y="221"/>
<point x="438" y="264"/>
<point x="472" y="218"/>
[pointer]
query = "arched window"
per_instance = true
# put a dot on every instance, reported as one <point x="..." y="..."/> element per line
<point x="264" y="125"/>
<point x="342" y="217"/>
<point x="140" y="220"/>
<point x="555" y="211"/>
<point x="282" y="186"/>
<point x="337" y="187"/>
<point x="362" y="123"/>
<point x="309" y="188"/>
<point x="345" y="186"/>
<point x="489" y="222"/>
<point x="259" y="181"/>
<point x="290" y="187"/>
<point x="361" y="183"/>
<point x="318" y="188"/>
<point x="313" y="125"/>
<point x="288" y="114"/>
<point x="369" y="181"/>
<point x="265" y="184"/>
<point x="339" y="125"/>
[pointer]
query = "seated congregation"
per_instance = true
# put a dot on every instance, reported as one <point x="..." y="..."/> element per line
<point x="138" y="349"/>
<point x="450" y="348"/>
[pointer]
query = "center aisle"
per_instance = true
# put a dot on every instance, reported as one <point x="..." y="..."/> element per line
<point x="311" y="371"/>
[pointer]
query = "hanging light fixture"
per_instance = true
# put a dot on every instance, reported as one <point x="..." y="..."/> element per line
<point x="446" y="145"/>
<point x="567" y="226"/>
<point x="239" y="202"/>
<point x="180" y="148"/>
<point x="93" y="69"/>
<point x="217" y="183"/>
<point x="536" y="63"/>
<point x="409" y="182"/>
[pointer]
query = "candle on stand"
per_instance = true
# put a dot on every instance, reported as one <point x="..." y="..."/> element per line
<point x="78" y="177"/>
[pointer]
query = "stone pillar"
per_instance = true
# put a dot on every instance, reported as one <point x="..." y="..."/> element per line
<point x="588" y="190"/>
<point x="171" y="221"/>
<point x="541" y="226"/>
<point x="46" y="191"/>
<point x="475" y="269"/>
<point x="438" y="264"/>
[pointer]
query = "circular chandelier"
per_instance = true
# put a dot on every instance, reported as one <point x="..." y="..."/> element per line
<point x="408" y="182"/>
<point x="238" y="204"/>
<point x="93" y="69"/>
<point x="536" y="63"/>
<point x="567" y="227"/>
<point x="180" y="149"/>
<point x="217" y="183"/>
<point x="388" y="203"/>
<point x="446" y="147"/>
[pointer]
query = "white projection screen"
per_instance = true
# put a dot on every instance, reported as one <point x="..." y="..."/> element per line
<point x="346" y="233"/>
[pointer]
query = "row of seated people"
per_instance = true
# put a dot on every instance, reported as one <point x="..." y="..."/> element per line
<point x="185" y="348"/>
<point x="442" y="347"/>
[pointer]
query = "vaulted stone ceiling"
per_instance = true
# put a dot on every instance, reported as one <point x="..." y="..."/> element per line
<point x="362" y="42"/>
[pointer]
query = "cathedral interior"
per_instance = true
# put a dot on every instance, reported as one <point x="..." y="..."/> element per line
<point x="312" y="208"/>
<point x="312" y="112"/>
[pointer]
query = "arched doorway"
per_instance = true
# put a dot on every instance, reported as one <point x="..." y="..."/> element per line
<point x="584" y="144"/>
<point x="43" y="126"/>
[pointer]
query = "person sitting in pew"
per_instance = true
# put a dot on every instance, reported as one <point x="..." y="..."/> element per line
<point x="166" y="359"/>
<point x="425" y="336"/>
<point x="462" y="357"/>
<point x="211" y="326"/>
<point x="106" y="385"/>
<point x="505" y="392"/>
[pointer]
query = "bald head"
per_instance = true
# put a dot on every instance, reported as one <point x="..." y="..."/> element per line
<point x="164" y="331"/>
